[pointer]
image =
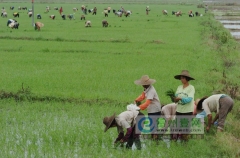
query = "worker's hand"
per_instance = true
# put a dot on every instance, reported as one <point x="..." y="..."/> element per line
<point x="176" y="99"/>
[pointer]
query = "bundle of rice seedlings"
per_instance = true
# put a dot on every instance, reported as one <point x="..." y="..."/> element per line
<point x="171" y="94"/>
<point x="138" y="103"/>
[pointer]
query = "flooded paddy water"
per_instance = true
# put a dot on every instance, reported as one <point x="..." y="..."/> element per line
<point x="229" y="16"/>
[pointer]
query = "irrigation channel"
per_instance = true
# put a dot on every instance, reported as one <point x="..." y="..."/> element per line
<point x="229" y="16"/>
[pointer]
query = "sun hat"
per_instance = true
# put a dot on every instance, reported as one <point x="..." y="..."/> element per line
<point x="144" y="80"/>
<point x="184" y="73"/>
<point x="198" y="103"/>
<point x="108" y="121"/>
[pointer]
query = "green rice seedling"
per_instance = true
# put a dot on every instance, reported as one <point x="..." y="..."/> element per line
<point x="171" y="94"/>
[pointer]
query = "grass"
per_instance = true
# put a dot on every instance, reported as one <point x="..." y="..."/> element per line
<point x="97" y="52"/>
<point x="50" y="129"/>
<point x="77" y="75"/>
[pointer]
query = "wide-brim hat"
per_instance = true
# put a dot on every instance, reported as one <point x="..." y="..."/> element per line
<point x="144" y="80"/>
<point x="184" y="73"/>
<point x="198" y="103"/>
<point x="108" y="121"/>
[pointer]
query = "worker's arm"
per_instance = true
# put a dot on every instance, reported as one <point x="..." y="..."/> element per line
<point x="140" y="98"/>
<point x="145" y="105"/>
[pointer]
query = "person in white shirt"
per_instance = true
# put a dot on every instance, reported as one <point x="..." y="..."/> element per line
<point x="125" y="120"/>
<point x="221" y="104"/>
<point x="169" y="111"/>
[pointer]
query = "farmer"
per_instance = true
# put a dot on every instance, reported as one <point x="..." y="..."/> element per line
<point x="127" y="13"/>
<point x="39" y="16"/>
<point x="10" y="21"/>
<point x="90" y="10"/>
<point x="82" y="17"/>
<point x="147" y="10"/>
<point x="190" y="13"/>
<point x="109" y="9"/>
<point x="125" y="120"/>
<point x="52" y="17"/>
<point x="3" y="11"/>
<point x="63" y="16"/>
<point x="16" y="14"/>
<point x="169" y="111"/>
<point x="164" y="12"/>
<point x="38" y="25"/>
<point x="61" y="10"/>
<point x="29" y="14"/>
<point x="104" y="23"/>
<point x="221" y="104"/>
<point x="178" y="13"/>
<point x="71" y="16"/>
<point x="94" y="11"/>
<point x="184" y="98"/>
<point x="152" y="103"/>
<point x="119" y="14"/>
<point x="14" y="25"/>
<point x="122" y="9"/>
<point x="105" y="11"/>
<point x="75" y="9"/>
<point x="83" y="8"/>
<point x="88" y="24"/>
<point x="47" y="9"/>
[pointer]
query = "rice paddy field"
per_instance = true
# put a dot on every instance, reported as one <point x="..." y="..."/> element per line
<point x="58" y="83"/>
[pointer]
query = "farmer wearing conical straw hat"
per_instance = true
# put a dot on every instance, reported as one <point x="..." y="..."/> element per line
<point x="125" y="120"/>
<point x="152" y="103"/>
<point x="184" y="98"/>
<point x="147" y="10"/>
<point x="38" y="25"/>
